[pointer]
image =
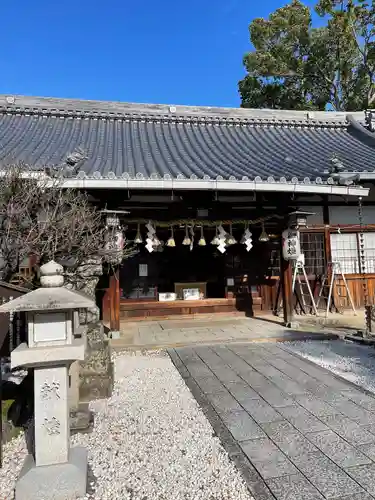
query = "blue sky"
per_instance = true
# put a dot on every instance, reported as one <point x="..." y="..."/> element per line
<point x="170" y="51"/>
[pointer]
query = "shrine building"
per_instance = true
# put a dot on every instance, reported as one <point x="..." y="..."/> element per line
<point x="205" y="194"/>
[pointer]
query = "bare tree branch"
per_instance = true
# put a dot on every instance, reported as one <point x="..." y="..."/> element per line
<point x="39" y="218"/>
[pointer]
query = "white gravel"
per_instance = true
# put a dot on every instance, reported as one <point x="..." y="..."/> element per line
<point x="351" y="361"/>
<point x="150" y="441"/>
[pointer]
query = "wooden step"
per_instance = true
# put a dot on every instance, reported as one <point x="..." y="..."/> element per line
<point x="155" y="309"/>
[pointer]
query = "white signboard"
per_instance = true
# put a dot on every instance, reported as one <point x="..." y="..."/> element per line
<point x="191" y="293"/>
<point x="143" y="270"/>
<point x="167" y="297"/>
<point x="291" y="244"/>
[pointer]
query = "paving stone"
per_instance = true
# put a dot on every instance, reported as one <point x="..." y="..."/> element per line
<point x="235" y="379"/>
<point x="223" y="402"/>
<point x="271" y="347"/>
<point x="178" y="363"/>
<point x="304" y="364"/>
<point x="241" y="367"/>
<point x="237" y="364"/>
<point x="335" y="383"/>
<point x="289" y="386"/>
<point x="355" y="412"/>
<point x="210" y="385"/>
<point x="261" y="450"/>
<point x="316" y="406"/>
<point x="242" y="349"/>
<point x="357" y="496"/>
<point x="365" y="476"/>
<point x="224" y="373"/>
<point x="261" y="411"/>
<point x="252" y="478"/>
<point x="246" y="397"/>
<point x="273" y="429"/>
<point x="242" y="426"/>
<point x="198" y="369"/>
<point x="265" y="369"/>
<point x="204" y="351"/>
<point x="188" y="355"/>
<point x="326" y="394"/>
<point x="368" y="449"/>
<point x="361" y="399"/>
<point x="293" y="487"/>
<point x="256" y="380"/>
<point x="234" y="361"/>
<point x="275" y="397"/>
<point x="348" y="429"/>
<point x="338" y="450"/>
<point x="294" y="373"/>
<point x="275" y="468"/>
<point x="208" y="356"/>
<point x="242" y="391"/>
<point x="302" y="419"/>
<point x="288" y="439"/>
<point x="327" y="477"/>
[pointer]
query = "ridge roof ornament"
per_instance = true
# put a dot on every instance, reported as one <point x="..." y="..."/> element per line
<point x="370" y="119"/>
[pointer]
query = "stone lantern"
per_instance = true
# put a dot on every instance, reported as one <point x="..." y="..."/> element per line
<point x="54" y="471"/>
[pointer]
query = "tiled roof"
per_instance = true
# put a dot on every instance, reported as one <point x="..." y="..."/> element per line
<point x="150" y="141"/>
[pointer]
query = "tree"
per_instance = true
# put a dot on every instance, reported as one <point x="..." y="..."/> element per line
<point x="296" y="66"/>
<point x="40" y="218"/>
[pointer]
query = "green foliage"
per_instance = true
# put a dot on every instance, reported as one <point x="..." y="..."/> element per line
<point x="297" y="66"/>
<point x="11" y="431"/>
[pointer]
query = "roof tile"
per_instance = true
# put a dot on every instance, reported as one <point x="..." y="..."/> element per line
<point x="149" y="141"/>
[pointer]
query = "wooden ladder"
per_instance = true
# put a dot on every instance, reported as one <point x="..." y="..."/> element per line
<point x="332" y="273"/>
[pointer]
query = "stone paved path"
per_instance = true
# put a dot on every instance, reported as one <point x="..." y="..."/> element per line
<point x="208" y="330"/>
<point x="296" y="431"/>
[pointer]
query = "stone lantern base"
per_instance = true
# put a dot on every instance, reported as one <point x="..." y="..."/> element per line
<point x="66" y="481"/>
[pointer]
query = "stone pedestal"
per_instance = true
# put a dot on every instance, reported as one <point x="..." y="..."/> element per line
<point x="96" y="372"/>
<point x="67" y="481"/>
<point x="52" y="471"/>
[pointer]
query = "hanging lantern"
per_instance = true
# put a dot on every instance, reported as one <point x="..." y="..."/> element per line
<point x="202" y="241"/>
<point x="263" y="236"/>
<point x="171" y="242"/>
<point x="230" y="239"/>
<point x="186" y="241"/>
<point x="138" y="238"/>
<point x="215" y="241"/>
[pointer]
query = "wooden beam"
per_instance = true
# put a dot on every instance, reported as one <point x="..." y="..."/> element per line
<point x="114" y="291"/>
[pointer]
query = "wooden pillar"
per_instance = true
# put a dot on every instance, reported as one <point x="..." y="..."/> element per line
<point x="286" y="288"/>
<point x="327" y="234"/>
<point x="114" y="291"/>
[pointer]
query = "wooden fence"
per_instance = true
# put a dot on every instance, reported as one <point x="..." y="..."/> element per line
<point x="13" y="331"/>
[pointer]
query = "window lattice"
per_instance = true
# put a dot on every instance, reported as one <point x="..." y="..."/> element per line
<point x="344" y="249"/>
<point x="312" y="246"/>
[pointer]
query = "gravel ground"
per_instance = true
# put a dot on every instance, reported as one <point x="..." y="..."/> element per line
<point x="150" y="441"/>
<point x="353" y="362"/>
